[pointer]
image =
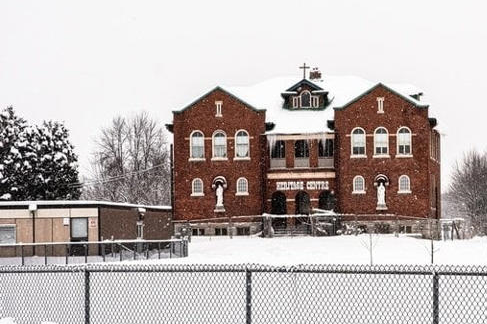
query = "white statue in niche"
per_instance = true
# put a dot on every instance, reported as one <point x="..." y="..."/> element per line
<point x="219" y="195"/>
<point x="381" y="195"/>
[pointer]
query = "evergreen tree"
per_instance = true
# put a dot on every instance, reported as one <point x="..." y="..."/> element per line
<point x="36" y="162"/>
<point x="56" y="168"/>
<point x="13" y="147"/>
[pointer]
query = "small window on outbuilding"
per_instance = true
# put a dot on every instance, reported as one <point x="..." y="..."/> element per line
<point x="7" y="234"/>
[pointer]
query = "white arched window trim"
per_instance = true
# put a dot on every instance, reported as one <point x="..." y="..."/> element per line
<point x="381" y="155"/>
<point x="352" y="143"/>
<point x="195" y="190"/>
<point x="356" y="188"/>
<point x="407" y="189"/>
<point x="240" y="190"/>
<point x="301" y="99"/>
<point x="219" y="158"/>
<point x="191" y="158"/>
<point x="248" y="146"/>
<point x="400" y="155"/>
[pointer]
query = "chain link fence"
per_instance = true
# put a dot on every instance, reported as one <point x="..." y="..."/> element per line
<point x="243" y="294"/>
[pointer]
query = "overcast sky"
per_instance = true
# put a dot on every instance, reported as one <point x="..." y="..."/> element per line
<point x="84" y="62"/>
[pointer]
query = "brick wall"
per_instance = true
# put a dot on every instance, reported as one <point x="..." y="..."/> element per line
<point x="398" y="113"/>
<point x="201" y="116"/>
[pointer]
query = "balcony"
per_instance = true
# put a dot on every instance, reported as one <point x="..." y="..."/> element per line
<point x="301" y="162"/>
<point x="278" y="163"/>
<point x="325" y="162"/>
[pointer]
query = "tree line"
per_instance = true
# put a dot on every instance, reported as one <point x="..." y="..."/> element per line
<point x="130" y="162"/>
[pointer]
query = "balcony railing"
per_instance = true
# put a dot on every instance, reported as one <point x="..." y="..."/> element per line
<point x="301" y="162"/>
<point x="325" y="162"/>
<point x="278" y="163"/>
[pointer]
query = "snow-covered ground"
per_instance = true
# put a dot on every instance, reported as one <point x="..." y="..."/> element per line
<point x="346" y="249"/>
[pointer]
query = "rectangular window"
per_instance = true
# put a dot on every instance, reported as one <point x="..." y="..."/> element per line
<point x="220" y="231"/>
<point x="194" y="232"/>
<point x="201" y="231"/>
<point x="278" y="150"/>
<point x="315" y="101"/>
<point x="79" y="228"/>
<point x="295" y="102"/>
<point x="243" y="230"/>
<point x="140" y="230"/>
<point x="380" y="105"/>
<point x="7" y="234"/>
<point x="218" y="105"/>
<point x="325" y="148"/>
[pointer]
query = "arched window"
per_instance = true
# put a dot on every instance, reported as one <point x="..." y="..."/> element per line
<point x="219" y="145"/>
<point x="278" y="151"/>
<point x="242" y="144"/>
<point x="404" y="141"/>
<point x="242" y="186"/>
<point x="358" y="141"/>
<point x="381" y="141"/>
<point x="305" y="99"/>
<point x="404" y="184"/>
<point x="301" y="149"/>
<point x="197" y="187"/>
<point x="358" y="185"/>
<point x="197" y="146"/>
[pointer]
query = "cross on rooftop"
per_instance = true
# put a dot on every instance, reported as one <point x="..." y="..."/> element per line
<point x="304" y="67"/>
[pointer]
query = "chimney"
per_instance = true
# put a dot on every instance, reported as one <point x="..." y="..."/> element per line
<point x="315" y="74"/>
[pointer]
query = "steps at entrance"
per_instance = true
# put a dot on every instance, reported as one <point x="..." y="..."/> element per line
<point x="300" y="230"/>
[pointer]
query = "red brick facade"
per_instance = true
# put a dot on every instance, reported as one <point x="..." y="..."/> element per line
<point x="330" y="176"/>
<point x="419" y="166"/>
<point x="236" y="115"/>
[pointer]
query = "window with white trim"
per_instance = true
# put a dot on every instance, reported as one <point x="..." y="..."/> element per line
<point x="197" y="187"/>
<point x="7" y="234"/>
<point x="381" y="141"/>
<point x="305" y="99"/>
<point x="242" y="144"/>
<point x="296" y="101"/>
<point x="219" y="145"/>
<point x="197" y="145"/>
<point x="358" y="185"/>
<point x="218" y="105"/>
<point x="242" y="186"/>
<point x="315" y="101"/>
<point x="404" y="141"/>
<point x="380" y="105"/>
<point x="358" y="141"/>
<point x="404" y="184"/>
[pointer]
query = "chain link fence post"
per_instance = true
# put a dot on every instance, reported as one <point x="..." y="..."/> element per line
<point x="436" y="298"/>
<point x="248" y="294"/>
<point x="87" y="296"/>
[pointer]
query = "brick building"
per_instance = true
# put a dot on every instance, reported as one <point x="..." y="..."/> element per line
<point x="290" y="153"/>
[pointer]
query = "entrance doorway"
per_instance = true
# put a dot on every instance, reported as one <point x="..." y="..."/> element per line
<point x="279" y="207"/>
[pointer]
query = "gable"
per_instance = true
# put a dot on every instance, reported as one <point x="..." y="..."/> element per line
<point x="217" y="88"/>
<point x="406" y="97"/>
<point x="306" y="82"/>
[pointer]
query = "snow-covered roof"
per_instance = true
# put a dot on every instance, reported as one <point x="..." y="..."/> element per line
<point x="80" y="203"/>
<point x="342" y="90"/>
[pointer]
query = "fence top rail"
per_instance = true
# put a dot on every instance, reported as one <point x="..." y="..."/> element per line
<point x="90" y="242"/>
<point x="441" y="270"/>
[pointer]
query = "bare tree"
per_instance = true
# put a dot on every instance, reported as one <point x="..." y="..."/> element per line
<point x="468" y="188"/>
<point x="131" y="163"/>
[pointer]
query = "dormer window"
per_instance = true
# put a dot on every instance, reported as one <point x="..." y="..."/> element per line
<point x="305" y="100"/>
